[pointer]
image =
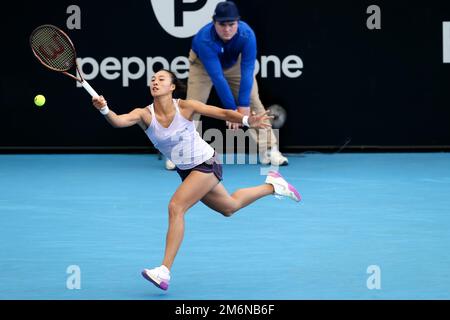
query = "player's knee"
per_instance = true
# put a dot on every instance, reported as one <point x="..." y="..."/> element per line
<point x="175" y="209"/>
<point x="228" y="211"/>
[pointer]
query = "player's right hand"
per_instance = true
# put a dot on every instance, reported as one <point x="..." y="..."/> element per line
<point x="99" y="102"/>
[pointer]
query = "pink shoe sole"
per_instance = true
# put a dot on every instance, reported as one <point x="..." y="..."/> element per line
<point x="292" y="188"/>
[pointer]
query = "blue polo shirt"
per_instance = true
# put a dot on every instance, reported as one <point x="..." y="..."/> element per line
<point x="217" y="55"/>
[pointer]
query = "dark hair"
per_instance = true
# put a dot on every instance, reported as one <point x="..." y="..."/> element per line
<point x="180" y="87"/>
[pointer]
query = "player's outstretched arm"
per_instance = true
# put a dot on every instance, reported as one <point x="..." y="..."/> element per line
<point x="118" y="121"/>
<point x="255" y="121"/>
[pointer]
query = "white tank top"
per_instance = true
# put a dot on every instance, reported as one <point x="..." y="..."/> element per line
<point x="180" y="142"/>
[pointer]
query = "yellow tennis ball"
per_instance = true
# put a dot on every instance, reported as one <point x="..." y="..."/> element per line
<point x="39" y="100"/>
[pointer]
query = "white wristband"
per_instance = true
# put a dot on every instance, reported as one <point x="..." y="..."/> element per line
<point x="104" y="111"/>
<point x="245" y="121"/>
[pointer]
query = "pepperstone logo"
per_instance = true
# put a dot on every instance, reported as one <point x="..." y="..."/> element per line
<point x="183" y="18"/>
<point x="134" y="68"/>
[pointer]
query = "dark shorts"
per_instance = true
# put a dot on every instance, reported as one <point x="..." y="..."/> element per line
<point x="209" y="166"/>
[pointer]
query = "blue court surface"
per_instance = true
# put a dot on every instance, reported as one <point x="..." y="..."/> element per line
<point x="107" y="214"/>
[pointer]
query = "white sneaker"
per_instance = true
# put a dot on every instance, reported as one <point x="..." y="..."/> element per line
<point x="277" y="159"/>
<point x="159" y="276"/>
<point x="273" y="157"/>
<point x="170" y="165"/>
<point x="282" y="187"/>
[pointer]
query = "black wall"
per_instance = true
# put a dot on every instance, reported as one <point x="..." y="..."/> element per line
<point x="385" y="87"/>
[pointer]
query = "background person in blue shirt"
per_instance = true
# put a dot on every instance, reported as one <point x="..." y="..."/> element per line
<point x="223" y="54"/>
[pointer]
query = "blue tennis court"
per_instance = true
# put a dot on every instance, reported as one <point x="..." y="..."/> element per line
<point x="107" y="214"/>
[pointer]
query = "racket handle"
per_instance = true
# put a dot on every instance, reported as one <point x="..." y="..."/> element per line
<point x="89" y="89"/>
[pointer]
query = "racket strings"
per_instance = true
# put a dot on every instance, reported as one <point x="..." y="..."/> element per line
<point x="53" y="48"/>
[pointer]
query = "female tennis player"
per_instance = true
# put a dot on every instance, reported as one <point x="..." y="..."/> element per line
<point x="168" y="124"/>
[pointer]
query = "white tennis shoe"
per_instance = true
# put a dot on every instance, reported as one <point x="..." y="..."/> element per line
<point x="282" y="187"/>
<point x="273" y="157"/>
<point x="159" y="276"/>
<point x="277" y="159"/>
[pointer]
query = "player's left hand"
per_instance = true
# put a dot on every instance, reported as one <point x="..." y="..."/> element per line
<point x="260" y="121"/>
<point x="245" y="111"/>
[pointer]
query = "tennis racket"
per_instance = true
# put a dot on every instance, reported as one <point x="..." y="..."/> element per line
<point x="54" y="49"/>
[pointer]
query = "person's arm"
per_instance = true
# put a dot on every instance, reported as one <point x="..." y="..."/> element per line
<point x="213" y="67"/>
<point x="118" y="121"/>
<point x="248" y="59"/>
<point x="254" y="121"/>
